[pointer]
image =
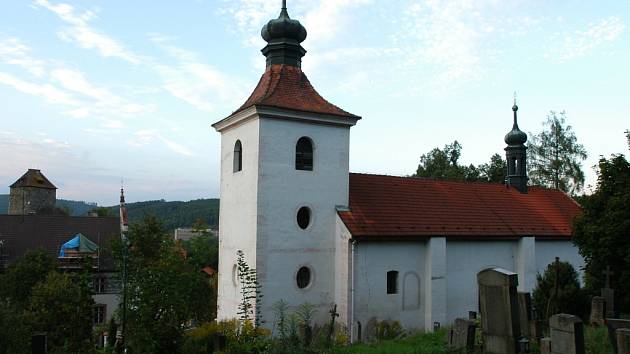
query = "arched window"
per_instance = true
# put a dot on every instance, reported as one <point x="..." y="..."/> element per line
<point x="304" y="154"/>
<point x="238" y="156"/>
<point x="392" y="282"/>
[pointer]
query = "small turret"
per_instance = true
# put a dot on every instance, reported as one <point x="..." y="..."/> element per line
<point x="32" y="193"/>
<point x="516" y="156"/>
<point x="283" y="36"/>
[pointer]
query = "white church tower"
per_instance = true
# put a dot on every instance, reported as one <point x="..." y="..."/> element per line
<point x="284" y="170"/>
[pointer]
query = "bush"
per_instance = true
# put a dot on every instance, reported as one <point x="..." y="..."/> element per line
<point x="570" y="298"/>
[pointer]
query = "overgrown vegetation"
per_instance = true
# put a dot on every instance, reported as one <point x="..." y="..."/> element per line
<point x="34" y="296"/>
<point x="558" y="291"/>
<point x="174" y="214"/>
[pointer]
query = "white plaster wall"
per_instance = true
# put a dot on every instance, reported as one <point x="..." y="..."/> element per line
<point x="238" y="211"/>
<point x="374" y="260"/>
<point x="547" y="251"/>
<point x="342" y="277"/>
<point x="283" y="247"/>
<point x="111" y="302"/>
<point x="464" y="260"/>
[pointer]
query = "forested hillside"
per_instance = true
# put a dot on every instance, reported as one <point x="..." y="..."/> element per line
<point x="172" y="214"/>
<point x="74" y="207"/>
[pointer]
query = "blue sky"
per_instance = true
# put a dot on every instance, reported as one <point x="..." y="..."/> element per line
<point x="98" y="91"/>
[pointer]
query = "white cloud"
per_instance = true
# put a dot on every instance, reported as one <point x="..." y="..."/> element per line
<point x="75" y="81"/>
<point x="14" y="52"/>
<point x="49" y="92"/>
<point x="581" y="42"/>
<point x="175" y="147"/>
<point x="87" y="37"/>
<point x="147" y="136"/>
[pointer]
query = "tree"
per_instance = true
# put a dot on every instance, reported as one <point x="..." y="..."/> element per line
<point x="628" y="138"/>
<point x="555" y="156"/>
<point x="558" y="294"/>
<point x="444" y="164"/>
<point x="601" y="231"/>
<point x="166" y="293"/>
<point x="62" y="305"/>
<point x="203" y="250"/>
<point x="495" y="170"/>
<point x="22" y="275"/>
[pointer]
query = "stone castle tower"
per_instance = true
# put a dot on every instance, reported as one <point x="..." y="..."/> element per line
<point x="284" y="170"/>
<point x="32" y="193"/>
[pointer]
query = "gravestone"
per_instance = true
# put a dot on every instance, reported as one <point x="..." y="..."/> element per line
<point x="462" y="335"/>
<point x="567" y="334"/>
<point x="623" y="341"/>
<point x="545" y="345"/>
<point x="608" y="294"/>
<point x="498" y="304"/>
<point x="614" y="325"/>
<point x="598" y="310"/>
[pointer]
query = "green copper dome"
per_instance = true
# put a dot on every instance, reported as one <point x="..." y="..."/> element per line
<point x="515" y="136"/>
<point x="283" y="28"/>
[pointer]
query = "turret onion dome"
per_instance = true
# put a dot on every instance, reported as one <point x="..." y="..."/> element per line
<point x="283" y="28"/>
<point x="515" y="136"/>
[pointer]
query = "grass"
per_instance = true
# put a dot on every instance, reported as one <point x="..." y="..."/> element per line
<point x="595" y="339"/>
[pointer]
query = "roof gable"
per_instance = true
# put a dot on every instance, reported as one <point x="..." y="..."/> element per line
<point x="386" y="206"/>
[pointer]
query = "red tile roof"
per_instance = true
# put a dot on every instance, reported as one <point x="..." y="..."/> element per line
<point x="286" y="86"/>
<point x="386" y="206"/>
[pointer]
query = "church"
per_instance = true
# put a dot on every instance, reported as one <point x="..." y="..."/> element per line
<point x="378" y="247"/>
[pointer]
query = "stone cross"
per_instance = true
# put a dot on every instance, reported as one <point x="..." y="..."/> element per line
<point x="607" y="273"/>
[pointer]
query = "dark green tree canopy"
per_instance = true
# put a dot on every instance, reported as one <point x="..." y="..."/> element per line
<point x="555" y="156"/>
<point x="568" y="298"/>
<point x="444" y="164"/>
<point x="602" y="231"/>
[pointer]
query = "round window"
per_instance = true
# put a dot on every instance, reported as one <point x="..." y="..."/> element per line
<point x="303" y="277"/>
<point x="304" y="217"/>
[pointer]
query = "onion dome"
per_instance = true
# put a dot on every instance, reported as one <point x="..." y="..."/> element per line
<point x="283" y="36"/>
<point x="515" y="136"/>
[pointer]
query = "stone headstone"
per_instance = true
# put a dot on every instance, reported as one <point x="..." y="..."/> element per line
<point x="525" y="313"/>
<point x="498" y="304"/>
<point x="614" y="325"/>
<point x="462" y="335"/>
<point x="598" y="310"/>
<point x="623" y="341"/>
<point x="609" y="297"/>
<point x="567" y="334"/>
<point x="545" y="345"/>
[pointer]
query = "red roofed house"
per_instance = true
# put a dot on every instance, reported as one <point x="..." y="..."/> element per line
<point x="378" y="247"/>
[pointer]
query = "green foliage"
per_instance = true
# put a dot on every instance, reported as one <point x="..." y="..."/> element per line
<point x="425" y="343"/>
<point x="569" y="298"/>
<point x="203" y="250"/>
<point x="61" y="305"/>
<point x="165" y="291"/>
<point x="601" y="231"/>
<point x="251" y="295"/>
<point x="389" y="330"/>
<point x="174" y="214"/>
<point x="22" y="275"/>
<point x="444" y="164"/>
<point x="103" y="212"/>
<point x="596" y="340"/>
<point x="555" y="156"/>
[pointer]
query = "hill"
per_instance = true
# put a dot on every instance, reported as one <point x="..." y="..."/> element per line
<point x="173" y="214"/>
<point x="75" y="207"/>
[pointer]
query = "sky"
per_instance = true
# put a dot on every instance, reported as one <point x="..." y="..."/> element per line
<point x="94" y="92"/>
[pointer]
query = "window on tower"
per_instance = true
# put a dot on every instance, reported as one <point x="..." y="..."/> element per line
<point x="303" y="277"/>
<point x="304" y="154"/>
<point x="304" y="217"/>
<point x="392" y="282"/>
<point x="238" y="156"/>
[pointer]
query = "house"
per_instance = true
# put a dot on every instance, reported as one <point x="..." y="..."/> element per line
<point x="33" y="223"/>
<point x="378" y="247"/>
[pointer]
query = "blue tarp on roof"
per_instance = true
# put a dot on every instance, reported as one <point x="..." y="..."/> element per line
<point x="78" y="241"/>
